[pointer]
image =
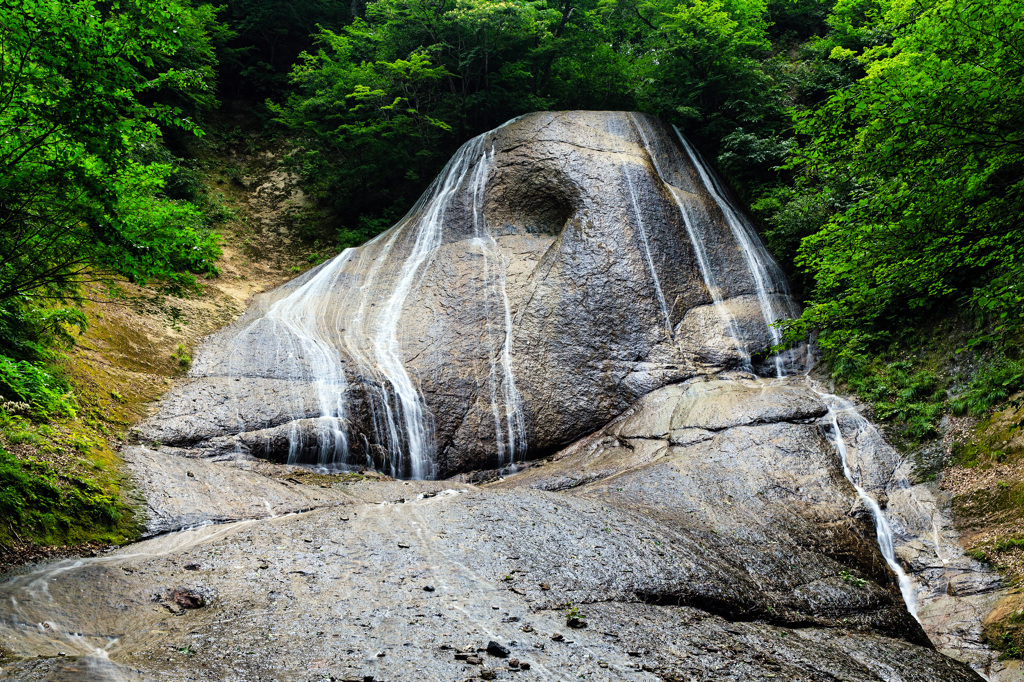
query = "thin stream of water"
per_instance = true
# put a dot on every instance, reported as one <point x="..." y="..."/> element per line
<point x="883" y="530"/>
<point x="506" y="402"/>
<point x="769" y="282"/>
<point x="707" y="272"/>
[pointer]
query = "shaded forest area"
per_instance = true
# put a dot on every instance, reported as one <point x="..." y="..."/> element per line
<point x="879" y="143"/>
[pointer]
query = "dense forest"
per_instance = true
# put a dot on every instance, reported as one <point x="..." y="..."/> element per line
<point x="879" y="144"/>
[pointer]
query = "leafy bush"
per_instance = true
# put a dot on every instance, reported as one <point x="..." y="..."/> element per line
<point x="24" y="381"/>
<point x="990" y="386"/>
<point x="930" y="144"/>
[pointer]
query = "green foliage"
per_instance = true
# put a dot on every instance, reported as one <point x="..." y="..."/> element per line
<point x="366" y="122"/>
<point x="991" y="386"/>
<point x="852" y="579"/>
<point x="381" y="103"/>
<point x="1007" y="544"/>
<point x="911" y="398"/>
<point x="260" y="40"/>
<point x="86" y="86"/>
<point x="927" y="151"/>
<point x="37" y="504"/>
<point x="26" y="382"/>
<point x="182" y="357"/>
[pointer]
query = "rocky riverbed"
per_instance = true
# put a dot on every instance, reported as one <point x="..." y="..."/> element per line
<point x="707" y="534"/>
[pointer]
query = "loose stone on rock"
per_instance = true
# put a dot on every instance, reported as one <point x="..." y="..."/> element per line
<point x="496" y="649"/>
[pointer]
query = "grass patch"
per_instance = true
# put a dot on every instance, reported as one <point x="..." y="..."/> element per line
<point x="39" y="504"/>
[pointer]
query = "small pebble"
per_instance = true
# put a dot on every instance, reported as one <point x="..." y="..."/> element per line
<point x="557" y="637"/>
<point x="496" y="649"/>
<point x="513" y="662"/>
<point x="428" y="588"/>
<point x="523" y="665"/>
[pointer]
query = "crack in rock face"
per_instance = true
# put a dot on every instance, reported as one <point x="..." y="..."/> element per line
<point x="560" y="268"/>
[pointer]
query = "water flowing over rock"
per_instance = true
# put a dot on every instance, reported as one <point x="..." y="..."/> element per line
<point x="578" y="289"/>
<point x="559" y="268"/>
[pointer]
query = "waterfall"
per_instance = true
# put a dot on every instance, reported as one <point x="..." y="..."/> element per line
<point x="775" y="303"/>
<point x="418" y="431"/>
<point x="707" y="272"/>
<point x="298" y="325"/>
<point x="308" y="336"/>
<point x="883" y="530"/>
<point x="769" y="283"/>
<point x="506" y="402"/>
<point x="647" y="250"/>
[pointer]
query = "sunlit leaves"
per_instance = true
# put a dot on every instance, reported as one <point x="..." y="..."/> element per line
<point x="930" y="144"/>
<point x="84" y="86"/>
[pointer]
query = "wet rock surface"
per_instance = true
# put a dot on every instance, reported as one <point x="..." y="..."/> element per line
<point x="570" y="273"/>
<point x="546" y="282"/>
<point x="706" y="534"/>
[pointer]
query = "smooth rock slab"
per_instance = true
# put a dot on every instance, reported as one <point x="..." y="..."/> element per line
<point x="735" y="555"/>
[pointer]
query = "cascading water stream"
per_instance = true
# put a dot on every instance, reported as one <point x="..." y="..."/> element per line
<point x="696" y="241"/>
<point x="762" y="267"/>
<point x="883" y="530"/>
<point x="417" y="429"/>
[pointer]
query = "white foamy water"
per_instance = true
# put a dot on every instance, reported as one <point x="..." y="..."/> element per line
<point x="770" y="285"/>
<point x="347" y="316"/>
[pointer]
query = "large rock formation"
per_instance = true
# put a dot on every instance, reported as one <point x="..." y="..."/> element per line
<point x="568" y="274"/>
<point x="561" y="267"/>
<point x="707" y="534"/>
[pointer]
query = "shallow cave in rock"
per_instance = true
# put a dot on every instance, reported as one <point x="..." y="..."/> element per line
<point x="531" y="201"/>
